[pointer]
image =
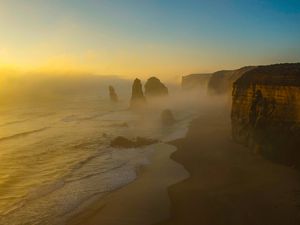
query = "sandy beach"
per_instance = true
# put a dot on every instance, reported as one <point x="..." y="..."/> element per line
<point x="144" y="201"/>
<point x="227" y="185"/>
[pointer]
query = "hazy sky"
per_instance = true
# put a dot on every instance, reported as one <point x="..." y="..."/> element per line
<point x="143" y="37"/>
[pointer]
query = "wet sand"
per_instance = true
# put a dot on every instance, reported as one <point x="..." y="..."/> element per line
<point x="144" y="201"/>
<point x="228" y="184"/>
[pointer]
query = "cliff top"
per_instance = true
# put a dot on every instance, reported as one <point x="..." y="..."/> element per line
<point x="197" y="75"/>
<point x="221" y="81"/>
<point x="277" y="74"/>
<point x="231" y="74"/>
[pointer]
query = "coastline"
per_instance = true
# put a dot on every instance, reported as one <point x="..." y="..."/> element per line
<point x="228" y="184"/>
<point x="143" y="201"/>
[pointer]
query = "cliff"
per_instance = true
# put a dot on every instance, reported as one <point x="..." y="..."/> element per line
<point x="266" y="111"/>
<point x="195" y="81"/>
<point x="221" y="82"/>
<point x="155" y="88"/>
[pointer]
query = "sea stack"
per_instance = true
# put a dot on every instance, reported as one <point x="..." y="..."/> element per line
<point x="112" y="94"/>
<point x="155" y="88"/>
<point x="137" y="96"/>
<point x="167" y="117"/>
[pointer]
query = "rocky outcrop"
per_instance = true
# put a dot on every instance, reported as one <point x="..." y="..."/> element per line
<point x="122" y="142"/>
<point x="155" y="88"/>
<point x="167" y="117"/>
<point x="112" y="94"/>
<point x="195" y="81"/>
<point x="221" y="82"/>
<point x="137" y="95"/>
<point x="266" y="111"/>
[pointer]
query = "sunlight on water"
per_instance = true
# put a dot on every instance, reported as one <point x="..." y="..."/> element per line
<point x="55" y="156"/>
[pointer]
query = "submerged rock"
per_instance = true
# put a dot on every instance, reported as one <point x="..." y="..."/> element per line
<point x="112" y="94"/>
<point x="155" y="88"/>
<point x="167" y="117"/>
<point x="122" y="142"/>
<point x="137" y="95"/>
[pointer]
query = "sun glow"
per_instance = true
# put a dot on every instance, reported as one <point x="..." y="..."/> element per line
<point x="138" y="38"/>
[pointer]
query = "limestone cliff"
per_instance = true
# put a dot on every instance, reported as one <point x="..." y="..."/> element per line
<point x="195" y="81"/>
<point x="266" y="111"/>
<point x="137" y="95"/>
<point x="155" y="88"/>
<point x="221" y="82"/>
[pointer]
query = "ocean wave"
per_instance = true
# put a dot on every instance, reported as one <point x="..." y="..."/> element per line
<point x="74" y="118"/>
<point x="47" y="189"/>
<point x="13" y="122"/>
<point x="23" y="134"/>
<point x="97" y="173"/>
<point x="71" y="195"/>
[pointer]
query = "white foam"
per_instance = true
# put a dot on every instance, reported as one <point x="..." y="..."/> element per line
<point x="93" y="172"/>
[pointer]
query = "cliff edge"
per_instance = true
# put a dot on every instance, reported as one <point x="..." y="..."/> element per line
<point x="195" y="81"/>
<point x="221" y="82"/>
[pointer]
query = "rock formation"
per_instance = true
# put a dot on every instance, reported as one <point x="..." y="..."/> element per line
<point x="221" y="82"/>
<point x="266" y="111"/>
<point x="122" y="142"/>
<point x="112" y="94"/>
<point x="155" y="88"/>
<point x="167" y="117"/>
<point x="137" y="95"/>
<point x="195" y="81"/>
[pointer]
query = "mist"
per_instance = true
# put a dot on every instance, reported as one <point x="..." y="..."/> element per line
<point x="38" y="89"/>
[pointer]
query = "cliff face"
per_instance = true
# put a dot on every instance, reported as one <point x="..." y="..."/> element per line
<point x="221" y="82"/>
<point x="266" y="111"/>
<point x="155" y="88"/>
<point x="195" y="81"/>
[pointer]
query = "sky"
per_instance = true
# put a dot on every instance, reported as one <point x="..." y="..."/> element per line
<point x="146" y="37"/>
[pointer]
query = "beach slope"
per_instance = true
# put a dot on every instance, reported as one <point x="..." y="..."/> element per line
<point x="144" y="201"/>
<point x="229" y="185"/>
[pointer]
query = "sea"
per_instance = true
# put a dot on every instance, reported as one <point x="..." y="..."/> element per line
<point x="55" y="155"/>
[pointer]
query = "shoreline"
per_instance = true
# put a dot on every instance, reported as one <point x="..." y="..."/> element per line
<point x="143" y="201"/>
<point x="227" y="183"/>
